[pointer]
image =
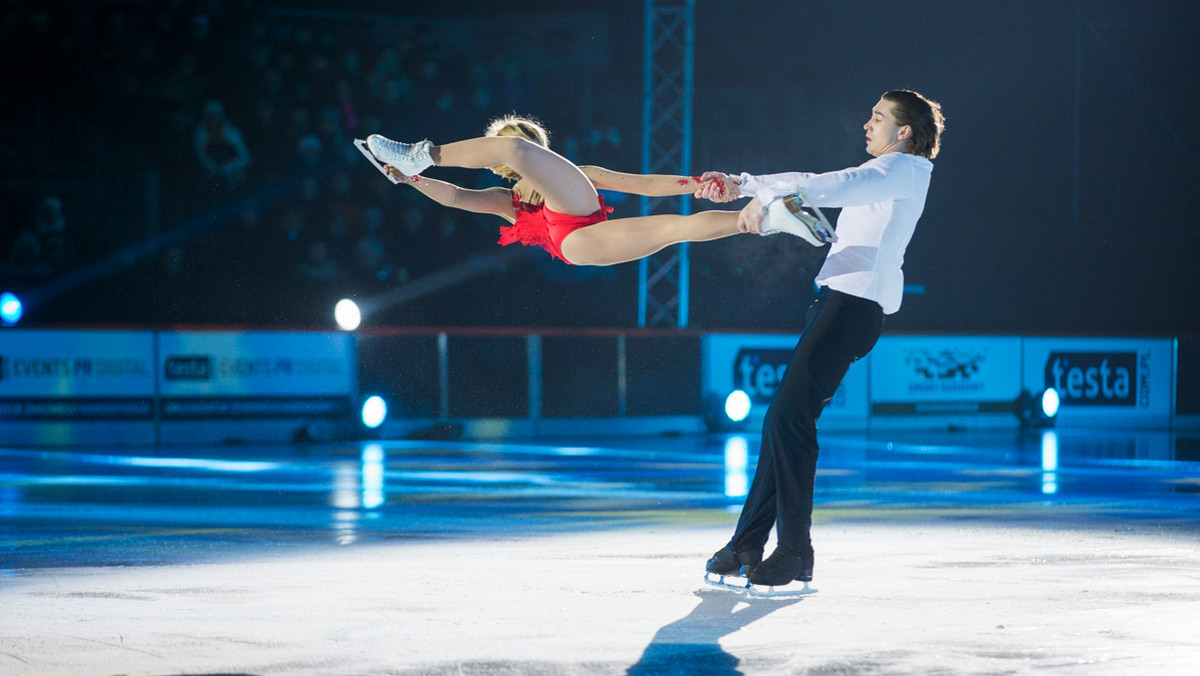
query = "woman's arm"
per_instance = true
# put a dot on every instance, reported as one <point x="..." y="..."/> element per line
<point x="653" y="185"/>
<point x="496" y="201"/>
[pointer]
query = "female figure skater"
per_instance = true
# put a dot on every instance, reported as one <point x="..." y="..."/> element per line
<point x="554" y="203"/>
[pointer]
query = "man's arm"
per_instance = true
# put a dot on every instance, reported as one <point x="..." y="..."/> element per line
<point x="880" y="180"/>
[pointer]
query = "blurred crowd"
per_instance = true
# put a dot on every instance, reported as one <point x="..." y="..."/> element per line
<point x="249" y="111"/>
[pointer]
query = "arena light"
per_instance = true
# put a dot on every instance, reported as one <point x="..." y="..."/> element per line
<point x="725" y="413"/>
<point x="737" y="406"/>
<point x="347" y="315"/>
<point x="1050" y="402"/>
<point x="11" y="309"/>
<point x="1039" y="411"/>
<point x="374" y="411"/>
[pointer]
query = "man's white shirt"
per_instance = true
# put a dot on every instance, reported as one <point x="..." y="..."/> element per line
<point x="881" y="201"/>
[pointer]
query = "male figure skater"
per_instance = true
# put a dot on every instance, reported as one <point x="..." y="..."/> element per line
<point x="861" y="281"/>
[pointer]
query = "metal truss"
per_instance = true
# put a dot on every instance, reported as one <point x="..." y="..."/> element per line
<point x="667" y="149"/>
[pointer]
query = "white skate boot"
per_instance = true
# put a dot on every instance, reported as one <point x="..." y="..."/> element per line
<point x="790" y="214"/>
<point x="410" y="158"/>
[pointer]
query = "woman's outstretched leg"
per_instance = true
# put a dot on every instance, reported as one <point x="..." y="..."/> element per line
<point x="628" y="239"/>
<point x="561" y="183"/>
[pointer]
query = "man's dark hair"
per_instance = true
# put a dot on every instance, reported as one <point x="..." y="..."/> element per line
<point x="923" y="116"/>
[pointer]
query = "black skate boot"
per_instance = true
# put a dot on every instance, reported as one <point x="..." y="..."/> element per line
<point x="782" y="567"/>
<point x="727" y="562"/>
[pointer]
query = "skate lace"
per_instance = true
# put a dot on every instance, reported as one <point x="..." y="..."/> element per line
<point x="398" y="149"/>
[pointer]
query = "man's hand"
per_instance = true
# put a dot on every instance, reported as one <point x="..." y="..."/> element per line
<point x="750" y="218"/>
<point x="718" y="187"/>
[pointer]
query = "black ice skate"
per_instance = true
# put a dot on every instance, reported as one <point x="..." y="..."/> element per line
<point x="780" y="569"/>
<point x="727" y="563"/>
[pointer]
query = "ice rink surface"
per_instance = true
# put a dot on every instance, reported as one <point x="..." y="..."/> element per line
<point x="947" y="553"/>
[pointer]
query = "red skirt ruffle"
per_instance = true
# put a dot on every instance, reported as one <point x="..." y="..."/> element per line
<point x="538" y="226"/>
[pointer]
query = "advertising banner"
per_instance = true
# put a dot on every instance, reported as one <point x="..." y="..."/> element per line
<point x="1104" y="381"/>
<point x="755" y="364"/>
<point x="945" y="376"/>
<point x="76" y="375"/>
<point x="207" y="375"/>
<point x="76" y="387"/>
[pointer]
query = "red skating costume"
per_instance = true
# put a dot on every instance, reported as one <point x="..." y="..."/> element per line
<point x="538" y="226"/>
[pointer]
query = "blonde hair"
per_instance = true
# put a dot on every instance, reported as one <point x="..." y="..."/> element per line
<point x="521" y="127"/>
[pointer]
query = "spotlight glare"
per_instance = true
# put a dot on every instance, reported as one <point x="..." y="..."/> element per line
<point x="347" y="314"/>
<point x="374" y="411"/>
<point x="11" y="308"/>
<point x="1050" y="402"/>
<point x="737" y="406"/>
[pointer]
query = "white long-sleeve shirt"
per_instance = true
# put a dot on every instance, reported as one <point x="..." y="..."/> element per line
<point x="881" y="201"/>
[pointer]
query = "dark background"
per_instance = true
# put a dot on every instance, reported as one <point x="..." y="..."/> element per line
<point x="1062" y="201"/>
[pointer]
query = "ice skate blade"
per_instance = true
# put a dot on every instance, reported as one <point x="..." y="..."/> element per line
<point x="816" y="221"/>
<point x="739" y="585"/>
<point x="786" y="592"/>
<point x="362" y="147"/>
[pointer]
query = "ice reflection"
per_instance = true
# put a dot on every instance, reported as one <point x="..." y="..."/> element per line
<point x="360" y="485"/>
<point x="1049" y="462"/>
<point x="345" y="527"/>
<point x="11" y="498"/>
<point x="346" y="486"/>
<point x="357" y="487"/>
<point x="737" y="462"/>
<point x="373" y="457"/>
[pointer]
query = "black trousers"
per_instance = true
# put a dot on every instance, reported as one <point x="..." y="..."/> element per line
<point x="840" y="330"/>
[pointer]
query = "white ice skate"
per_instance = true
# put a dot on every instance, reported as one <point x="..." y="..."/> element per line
<point x="362" y="148"/>
<point x="740" y="585"/>
<point x="410" y="158"/>
<point x="797" y="215"/>
<point x="734" y="583"/>
<point x="788" y="591"/>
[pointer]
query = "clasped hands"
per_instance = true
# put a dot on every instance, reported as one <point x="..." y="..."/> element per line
<point x="721" y="187"/>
